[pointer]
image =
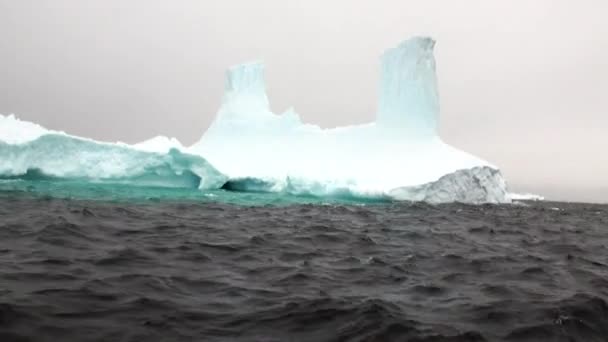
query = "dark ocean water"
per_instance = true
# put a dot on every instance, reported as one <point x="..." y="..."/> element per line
<point x="81" y="270"/>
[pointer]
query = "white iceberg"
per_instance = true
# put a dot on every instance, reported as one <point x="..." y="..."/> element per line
<point x="400" y="155"/>
<point x="525" y="197"/>
<point x="30" y="151"/>
<point x="249" y="148"/>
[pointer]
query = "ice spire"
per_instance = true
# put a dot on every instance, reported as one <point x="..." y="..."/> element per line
<point x="409" y="101"/>
<point x="245" y="92"/>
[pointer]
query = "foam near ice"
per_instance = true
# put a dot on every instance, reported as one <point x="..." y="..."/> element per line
<point x="399" y="155"/>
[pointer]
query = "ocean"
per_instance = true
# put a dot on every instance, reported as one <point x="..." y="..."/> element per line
<point x="87" y="262"/>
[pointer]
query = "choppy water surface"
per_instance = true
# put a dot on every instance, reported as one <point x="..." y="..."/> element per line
<point x="81" y="270"/>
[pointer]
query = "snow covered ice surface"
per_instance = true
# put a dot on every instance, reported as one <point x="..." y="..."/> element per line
<point x="249" y="148"/>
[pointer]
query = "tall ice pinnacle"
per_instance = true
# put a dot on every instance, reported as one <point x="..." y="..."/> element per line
<point x="245" y="92"/>
<point x="409" y="101"/>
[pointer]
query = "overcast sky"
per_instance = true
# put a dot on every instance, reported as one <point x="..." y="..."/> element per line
<point x="523" y="84"/>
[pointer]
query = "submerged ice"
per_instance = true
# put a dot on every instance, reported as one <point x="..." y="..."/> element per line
<point x="249" y="148"/>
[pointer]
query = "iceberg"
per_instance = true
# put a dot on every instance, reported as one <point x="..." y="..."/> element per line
<point x="249" y="148"/>
<point x="525" y="197"/>
<point x="29" y="151"/>
<point x="399" y="155"/>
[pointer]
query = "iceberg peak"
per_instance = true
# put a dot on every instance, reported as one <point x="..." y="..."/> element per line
<point x="246" y="78"/>
<point x="409" y="100"/>
<point x="245" y="92"/>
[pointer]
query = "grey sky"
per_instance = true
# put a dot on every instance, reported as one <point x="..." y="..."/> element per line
<point x="523" y="83"/>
